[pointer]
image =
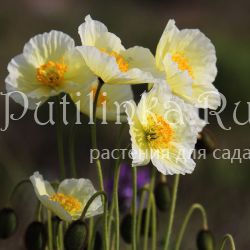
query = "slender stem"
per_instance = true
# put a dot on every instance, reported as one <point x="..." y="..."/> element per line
<point x="61" y="235"/>
<point x="140" y="211"/>
<point x="228" y="237"/>
<point x="91" y="233"/>
<point x="38" y="211"/>
<point x="116" y="204"/>
<point x="59" y="133"/>
<point x="134" y="201"/>
<point x="115" y="197"/>
<point x="171" y="212"/>
<point x="72" y="150"/>
<point x="191" y="210"/>
<point x="16" y="187"/>
<point x="105" y="228"/>
<point x="94" y="136"/>
<point x="148" y="211"/>
<point x="154" y="223"/>
<point x="50" y="234"/>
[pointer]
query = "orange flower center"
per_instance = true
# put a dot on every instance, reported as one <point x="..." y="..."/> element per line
<point x="183" y="63"/>
<point x="121" y="62"/>
<point x="158" y="132"/>
<point x="51" y="73"/>
<point x="69" y="203"/>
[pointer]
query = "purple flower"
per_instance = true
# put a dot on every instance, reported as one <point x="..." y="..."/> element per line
<point x="125" y="190"/>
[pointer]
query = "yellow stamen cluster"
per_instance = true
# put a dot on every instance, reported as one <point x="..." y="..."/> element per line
<point x="158" y="132"/>
<point x="183" y="63"/>
<point x="69" y="203"/>
<point x="51" y="73"/>
<point x="121" y="62"/>
<point x="101" y="98"/>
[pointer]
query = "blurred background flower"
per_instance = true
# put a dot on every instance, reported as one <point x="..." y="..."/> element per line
<point x="125" y="191"/>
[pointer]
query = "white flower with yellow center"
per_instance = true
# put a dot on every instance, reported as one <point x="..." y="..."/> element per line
<point x="109" y="60"/>
<point x="69" y="200"/>
<point x="50" y="64"/>
<point x="163" y="129"/>
<point x="188" y="58"/>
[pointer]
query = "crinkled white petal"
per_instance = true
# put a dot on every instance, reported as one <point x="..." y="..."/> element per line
<point x="90" y="31"/>
<point x="140" y="150"/>
<point x="200" y="54"/>
<point x="56" y="208"/>
<point x="82" y="190"/>
<point x="113" y="106"/>
<point x="41" y="186"/>
<point x="184" y="121"/>
<point x="47" y="46"/>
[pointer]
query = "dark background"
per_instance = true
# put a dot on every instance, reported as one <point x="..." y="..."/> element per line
<point x="221" y="186"/>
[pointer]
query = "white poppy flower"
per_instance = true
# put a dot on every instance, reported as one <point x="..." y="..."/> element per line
<point x="50" y="64"/>
<point x="69" y="200"/>
<point x="163" y="129"/>
<point x="109" y="60"/>
<point x="188" y="58"/>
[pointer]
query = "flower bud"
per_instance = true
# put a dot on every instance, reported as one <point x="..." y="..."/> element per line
<point x="8" y="222"/>
<point x="35" y="236"/>
<point x="162" y="196"/>
<point x="75" y="236"/>
<point x="206" y="141"/>
<point x="205" y="240"/>
<point x="126" y="228"/>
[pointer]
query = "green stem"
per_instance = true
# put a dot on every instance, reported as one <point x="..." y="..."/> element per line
<point x="191" y="210"/>
<point x="59" y="133"/>
<point x="148" y="211"/>
<point x="50" y="234"/>
<point x="140" y="211"/>
<point x="134" y="201"/>
<point x="93" y="133"/>
<point x="72" y="150"/>
<point x="154" y="223"/>
<point x="91" y="233"/>
<point x="228" y="237"/>
<point x="16" y="187"/>
<point x="105" y="228"/>
<point x="61" y="235"/>
<point x="171" y="212"/>
<point x="115" y="197"/>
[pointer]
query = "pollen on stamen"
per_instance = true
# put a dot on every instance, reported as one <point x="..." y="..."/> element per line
<point x="121" y="62"/>
<point x="158" y="132"/>
<point x="51" y="73"/>
<point x="69" y="203"/>
<point x="183" y="63"/>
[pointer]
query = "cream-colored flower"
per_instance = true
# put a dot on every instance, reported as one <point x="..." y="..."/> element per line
<point x="50" y="64"/>
<point x="188" y="58"/>
<point x="69" y="200"/>
<point x="110" y="104"/>
<point x="109" y="60"/>
<point x="163" y="129"/>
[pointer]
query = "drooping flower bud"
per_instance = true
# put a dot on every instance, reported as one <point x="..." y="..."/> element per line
<point x="8" y="222"/>
<point x="126" y="228"/>
<point x="206" y="141"/>
<point x="162" y="196"/>
<point x="205" y="240"/>
<point x="35" y="236"/>
<point x="75" y="236"/>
